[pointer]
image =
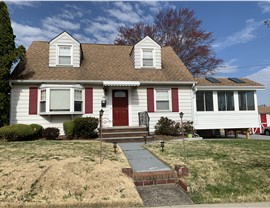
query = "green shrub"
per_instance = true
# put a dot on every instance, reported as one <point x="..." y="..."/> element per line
<point x="69" y="129"/>
<point x="50" y="133"/>
<point x="37" y="130"/>
<point x="85" y="127"/>
<point x="17" y="132"/>
<point x="166" y="126"/>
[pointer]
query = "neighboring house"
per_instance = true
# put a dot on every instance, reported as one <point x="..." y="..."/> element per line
<point x="63" y="79"/>
<point x="264" y="119"/>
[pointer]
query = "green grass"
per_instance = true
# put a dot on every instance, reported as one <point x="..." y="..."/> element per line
<point x="222" y="171"/>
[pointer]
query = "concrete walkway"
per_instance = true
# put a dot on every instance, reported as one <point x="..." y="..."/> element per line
<point x="140" y="159"/>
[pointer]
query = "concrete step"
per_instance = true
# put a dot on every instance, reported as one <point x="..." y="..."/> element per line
<point x="124" y="129"/>
<point x="124" y="134"/>
<point x="127" y="139"/>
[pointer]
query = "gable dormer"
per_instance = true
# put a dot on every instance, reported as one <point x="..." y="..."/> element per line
<point x="146" y="54"/>
<point x="64" y="51"/>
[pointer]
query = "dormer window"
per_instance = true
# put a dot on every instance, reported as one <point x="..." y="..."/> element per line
<point x="64" y="55"/>
<point x="148" y="57"/>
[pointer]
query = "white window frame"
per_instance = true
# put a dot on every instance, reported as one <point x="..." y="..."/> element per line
<point x="71" y="89"/>
<point x="43" y="99"/>
<point x="246" y="100"/>
<point x="154" y="57"/>
<point x="169" y="99"/>
<point x="58" y="54"/>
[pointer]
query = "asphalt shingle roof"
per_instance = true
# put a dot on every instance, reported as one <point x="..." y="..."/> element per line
<point x="100" y="62"/>
<point x="226" y="82"/>
<point x="109" y="62"/>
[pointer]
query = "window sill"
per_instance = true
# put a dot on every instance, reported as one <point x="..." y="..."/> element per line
<point x="60" y="113"/>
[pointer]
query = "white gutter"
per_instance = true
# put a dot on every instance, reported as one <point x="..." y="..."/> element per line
<point x="168" y="83"/>
<point x="230" y="87"/>
<point x="56" y="81"/>
<point x="101" y="82"/>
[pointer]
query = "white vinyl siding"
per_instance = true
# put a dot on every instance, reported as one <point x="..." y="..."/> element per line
<point x="139" y="104"/>
<point x="137" y="54"/>
<point x="64" y="40"/>
<point x="229" y="119"/>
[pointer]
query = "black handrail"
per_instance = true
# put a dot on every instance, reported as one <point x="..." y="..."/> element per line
<point x="144" y="119"/>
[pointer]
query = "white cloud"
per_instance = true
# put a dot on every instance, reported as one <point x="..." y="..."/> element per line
<point x="22" y="3"/>
<point x="56" y="24"/>
<point x="265" y="6"/>
<point x="227" y="67"/>
<point x="243" y="36"/>
<point x="263" y="77"/>
<point x="26" y="34"/>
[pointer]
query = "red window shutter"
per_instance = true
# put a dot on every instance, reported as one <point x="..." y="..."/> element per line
<point x="150" y="100"/>
<point x="33" y="100"/>
<point x="175" y="103"/>
<point x="88" y="100"/>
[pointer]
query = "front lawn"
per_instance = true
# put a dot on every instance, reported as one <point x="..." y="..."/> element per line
<point x="222" y="171"/>
<point x="64" y="173"/>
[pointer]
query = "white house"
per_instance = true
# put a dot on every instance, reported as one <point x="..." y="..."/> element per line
<point x="63" y="79"/>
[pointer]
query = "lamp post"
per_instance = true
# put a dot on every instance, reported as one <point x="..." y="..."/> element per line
<point x="181" y="114"/>
<point x="100" y="133"/>
<point x="162" y="145"/>
<point x="114" y="146"/>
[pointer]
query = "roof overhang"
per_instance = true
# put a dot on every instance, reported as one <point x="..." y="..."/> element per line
<point x="230" y="87"/>
<point x="121" y="83"/>
<point x="104" y="83"/>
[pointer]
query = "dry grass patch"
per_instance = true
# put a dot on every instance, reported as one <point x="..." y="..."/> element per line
<point x="64" y="173"/>
<point x="222" y="171"/>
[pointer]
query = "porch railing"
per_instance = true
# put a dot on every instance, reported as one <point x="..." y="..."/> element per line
<point x="144" y="119"/>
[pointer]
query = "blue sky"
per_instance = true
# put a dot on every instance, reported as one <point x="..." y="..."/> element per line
<point x="241" y="38"/>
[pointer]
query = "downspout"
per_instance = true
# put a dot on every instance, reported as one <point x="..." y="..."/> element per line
<point x="10" y="106"/>
<point x="193" y="96"/>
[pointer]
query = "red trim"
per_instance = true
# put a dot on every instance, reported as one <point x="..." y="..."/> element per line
<point x="150" y="100"/>
<point x="33" y="100"/>
<point x="88" y="100"/>
<point x="175" y="101"/>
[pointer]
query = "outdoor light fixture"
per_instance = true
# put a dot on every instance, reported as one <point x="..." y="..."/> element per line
<point x="145" y="138"/>
<point x="101" y="112"/>
<point x="100" y="133"/>
<point x="181" y="114"/>
<point x="162" y="145"/>
<point x="114" y="146"/>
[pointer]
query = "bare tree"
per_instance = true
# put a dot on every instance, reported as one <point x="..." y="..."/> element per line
<point x="180" y="30"/>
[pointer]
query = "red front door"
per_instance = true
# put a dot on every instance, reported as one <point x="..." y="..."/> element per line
<point x="120" y="108"/>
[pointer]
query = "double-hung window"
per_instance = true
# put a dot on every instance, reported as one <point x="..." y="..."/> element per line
<point x="42" y="100"/>
<point x="77" y="100"/>
<point x="162" y="99"/>
<point x="246" y="100"/>
<point x="225" y="101"/>
<point x="66" y="99"/>
<point x="64" y="55"/>
<point x="204" y="100"/>
<point x="147" y="57"/>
